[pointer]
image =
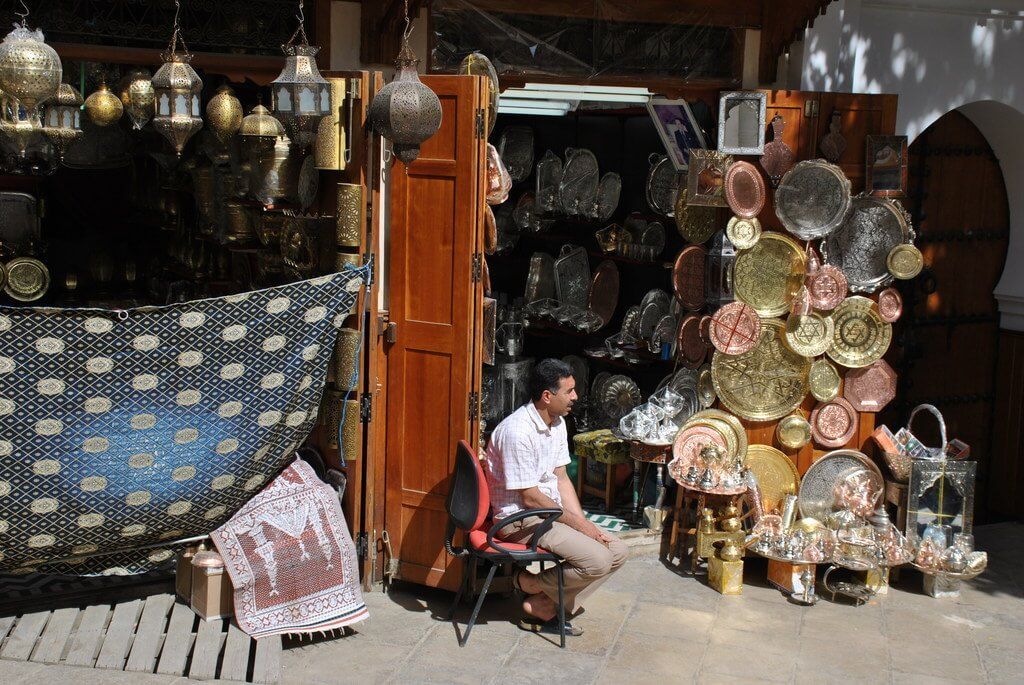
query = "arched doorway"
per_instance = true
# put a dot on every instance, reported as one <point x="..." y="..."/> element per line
<point x="946" y="344"/>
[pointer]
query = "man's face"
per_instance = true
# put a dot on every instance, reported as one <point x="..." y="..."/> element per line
<point x="560" y="402"/>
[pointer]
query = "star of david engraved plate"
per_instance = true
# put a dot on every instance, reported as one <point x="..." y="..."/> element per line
<point x="813" y="199"/>
<point x="809" y="334"/>
<point x="861" y="246"/>
<point x="768" y="275"/>
<point x="766" y="383"/>
<point x="860" y="337"/>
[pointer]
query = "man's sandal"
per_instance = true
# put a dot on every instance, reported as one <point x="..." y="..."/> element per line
<point x="549" y="627"/>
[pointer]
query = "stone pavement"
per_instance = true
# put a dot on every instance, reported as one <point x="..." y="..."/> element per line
<point x="652" y="623"/>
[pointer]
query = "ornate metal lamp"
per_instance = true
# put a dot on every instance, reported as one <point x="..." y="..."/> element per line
<point x="177" y="86"/>
<point x="406" y="111"/>
<point x="30" y="70"/>
<point x="224" y="114"/>
<point x="259" y="132"/>
<point x="62" y="117"/>
<point x="103" y="107"/>
<point x="138" y="96"/>
<point x="300" y="96"/>
<point x="718" y="272"/>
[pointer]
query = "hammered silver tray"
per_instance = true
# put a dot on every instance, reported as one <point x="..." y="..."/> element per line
<point x="572" y="277"/>
<point x="549" y="176"/>
<point x="540" y="280"/>
<point x="861" y="245"/>
<point x="607" y="200"/>
<point x="817" y="487"/>
<point x="580" y="177"/>
<point x="813" y="199"/>
<point x="663" y="185"/>
<point x="516" y="150"/>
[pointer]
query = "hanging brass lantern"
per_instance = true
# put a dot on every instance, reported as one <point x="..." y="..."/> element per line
<point x="300" y="96"/>
<point x="138" y="96"/>
<point x="30" y="70"/>
<point x="62" y="117"/>
<point x="224" y="114"/>
<point x="406" y="111"/>
<point x="259" y="132"/>
<point x="177" y="87"/>
<point x="103" y="107"/>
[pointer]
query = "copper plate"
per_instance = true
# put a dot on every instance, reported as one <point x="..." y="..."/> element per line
<point x="690" y="349"/>
<point x="705" y="329"/>
<point x="744" y="190"/>
<point x="890" y="305"/>
<point x="604" y="290"/>
<point x="871" y="388"/>
<point x="688" y="276"/>
<point x="827" y="286"/>
<point x="834" y="423"/>
<point x="735" y="329"/>
<point x="690" y="441"/>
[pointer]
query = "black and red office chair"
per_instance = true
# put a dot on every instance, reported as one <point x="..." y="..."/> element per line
<point x="468" y="505"/>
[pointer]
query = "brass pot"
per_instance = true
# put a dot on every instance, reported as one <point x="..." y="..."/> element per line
<point x="730" y="519"/>
<point x="349" y="223"/>
<point x="278" y="174"/>
<point x="346" y="357"/>
<point x="730" y="551"/>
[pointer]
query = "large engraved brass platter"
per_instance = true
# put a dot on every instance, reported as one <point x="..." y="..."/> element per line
<point x="766" y="383"/>
<point x="776" y="474"/>
<point x="768" y="275"/>
<point x="860" y="337"/>
<point x="861" y="246"/>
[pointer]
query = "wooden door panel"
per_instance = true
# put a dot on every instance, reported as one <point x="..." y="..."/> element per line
<point x="798" y="134"/>
<point x="860" y="116"/>
<point x="436" y="205"/>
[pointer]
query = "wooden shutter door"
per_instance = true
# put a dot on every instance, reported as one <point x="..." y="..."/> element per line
<point x="435" y="302"/>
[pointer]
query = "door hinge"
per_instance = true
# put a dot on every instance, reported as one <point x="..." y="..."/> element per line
<point x="479" y="124"/>
<point x="362" y="543"/>
<point x="478" y="267"/>
<point x="366" y="408"/>
<point x="474" y="405"/>
<point x="811" y="108"/>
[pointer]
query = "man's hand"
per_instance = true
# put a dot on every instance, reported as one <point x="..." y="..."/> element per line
<point x="591" y="530"/>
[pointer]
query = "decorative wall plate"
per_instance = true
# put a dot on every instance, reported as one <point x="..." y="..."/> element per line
<point x="735" y="329"/>
<point x="540" y="279"/>
<point x="744" y="190"/>
<point x="28" y="279"/>
<point x="817" y="489"/>
<point x="631" y="321"/>
<point x="604" y="291"/>
<point x="705" y="184"/>
<point x="691" y="349"/>
<point x="705" y="386"/>
<point x="619" y="395"/>
<point x="696" y="224"/>
<point x="608" y="192"/>
<point x="516" y="149"/>
<point x="663" y="185"/>
<point x="688" y="280"/>
<point x="728" y="419"/>
<point x="768" y="275"/>
<point x="499" y="181"/>
<point x="777" y="475"/>
<point x="765" y="383"/>
<point x="778" y="156"/>
<point x="548" y="178"/>
<point x="827" y="287"/>
<point x="890" y="305"/>
<point x="861" y="246"/>
<point x="861" y="337"/>
<point x="834" y="423"/>
<point x="824" y="380"/>
<point x="650" y="315"/>
<point x="653" y="235"/>
<point x="572" y="277"/>
<point x="656" y="295"/>
<point x="477" y="64"/>
<point x="809" y="334"/>
<point x="743" y="233"/>
<point x="813" y="199"/>
<point x="905" y="262"/>
<point x="577" y="190"/>
<point x="793" y="432"/>
<point x="871" y="388"/>
<point x="664" y="333"/>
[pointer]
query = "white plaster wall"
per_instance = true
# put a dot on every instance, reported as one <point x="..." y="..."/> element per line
<point x="937" y="55"/>
<point x="345" y="33"/>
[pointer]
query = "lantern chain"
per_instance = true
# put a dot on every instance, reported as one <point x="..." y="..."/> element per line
<point x="23" y="15"/>
<point x="176" y="37"/>
<point x="408" y="24"/>
<point x="301" y="28"/>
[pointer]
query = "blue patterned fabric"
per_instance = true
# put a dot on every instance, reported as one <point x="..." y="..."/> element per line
<point x="122" y="432"/>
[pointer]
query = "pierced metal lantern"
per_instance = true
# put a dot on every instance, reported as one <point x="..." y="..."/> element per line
<point x="62" y="121"/>
<point x="138" y="96"/>
<point x="300" y="96"/>
<point x="224" y="114"/>
<point x="406" y="111"/>
<point x="259" y="132"/>
<point x="30" y="70"/>
<point x="718" y="272"/>
<point x="176" y="110"/>
<point x="103" y="107"/>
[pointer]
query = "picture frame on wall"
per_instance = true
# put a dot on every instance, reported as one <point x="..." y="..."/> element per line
<point x="678" y="130"/>
<point x="886" y="164"/>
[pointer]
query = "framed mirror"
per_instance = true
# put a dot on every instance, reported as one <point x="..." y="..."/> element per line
<point x="706" y="178"/>
<point x="742" y="119"/>
<point x="886" y="161"/>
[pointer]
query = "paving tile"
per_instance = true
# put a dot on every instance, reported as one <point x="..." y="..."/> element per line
<point x="937" y="655"/>
<point x="734" y="654"/>
<point x="654" y="619"/>
<point x="340" y="662"/>
<point x="821" y="659"/>
<point x="832" y="618"/>
<point x="665" y="656"/>
<point x="1002" y="653"/>
<point x="528" y="666"/>
<point x="751" y="615"/>
<point x="903" y="678"/>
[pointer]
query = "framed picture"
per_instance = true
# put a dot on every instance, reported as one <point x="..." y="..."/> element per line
<point x="705" y="184"/>
<point x="742" y="120"/>
<point x="886" y="161"/>
<point x="678" y="130"/>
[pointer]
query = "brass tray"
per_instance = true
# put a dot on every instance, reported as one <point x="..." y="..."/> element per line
<point x="777" y="475"/>
<point x="766" y="383"/>
<point x="732" y="421"/>
<point x="768" y="275"/>
<point x="860" y="336"/>
<point x="813" y="199"/>
<point x="861" y="245"/>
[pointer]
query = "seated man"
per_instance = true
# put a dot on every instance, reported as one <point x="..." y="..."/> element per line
<point x="526" y="461"/>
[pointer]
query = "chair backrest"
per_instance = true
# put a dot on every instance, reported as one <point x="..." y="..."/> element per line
<point x="469" y="499"/>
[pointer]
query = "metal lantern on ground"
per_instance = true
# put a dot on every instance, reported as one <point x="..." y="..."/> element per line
<point x="300" y="96"/>
<point x="103" y="107"/>
<point x="259" y="132"/>
<point x="177" y="86"/>
<point x="30" y="70"/>
<point x="62" y="121"/>
<point x="224" y="114"/>
<point x="138" y="96"/>
<point x="406" y="111"/>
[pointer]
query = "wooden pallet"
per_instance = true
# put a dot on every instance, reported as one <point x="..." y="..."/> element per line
<point x="152" y="635"/>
